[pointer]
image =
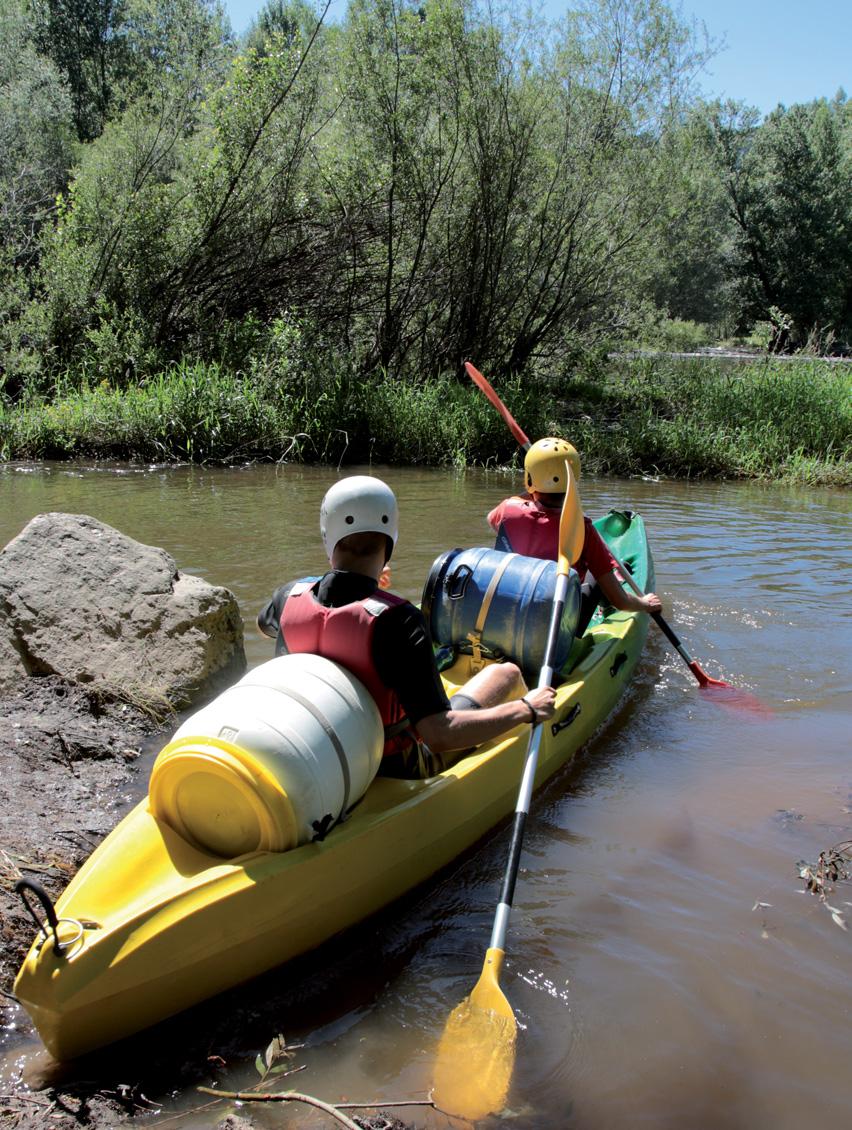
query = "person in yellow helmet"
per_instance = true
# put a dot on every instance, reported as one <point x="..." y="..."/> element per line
<point x="529" y="524"/>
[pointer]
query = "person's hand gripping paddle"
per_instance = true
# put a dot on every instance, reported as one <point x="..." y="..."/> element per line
<point x="477" y="1050"/>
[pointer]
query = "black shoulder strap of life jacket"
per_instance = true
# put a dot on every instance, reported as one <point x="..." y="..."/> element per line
<point x="502" y="541"/>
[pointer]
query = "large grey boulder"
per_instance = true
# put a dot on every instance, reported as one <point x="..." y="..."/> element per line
<point x="80" y="599"/>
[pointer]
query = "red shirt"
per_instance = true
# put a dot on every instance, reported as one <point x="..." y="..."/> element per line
<point x="533" y="530"/>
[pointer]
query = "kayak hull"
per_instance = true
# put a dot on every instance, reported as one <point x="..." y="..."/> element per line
<point x="165" y="926"/>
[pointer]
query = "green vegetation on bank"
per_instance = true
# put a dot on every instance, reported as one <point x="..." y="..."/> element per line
<point x="787" y="421"/>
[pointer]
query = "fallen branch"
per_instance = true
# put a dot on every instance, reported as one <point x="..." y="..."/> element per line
<point x="386" y="1105"/>
<point x="288" y="1096"/>
<point x="293" y="1096"/>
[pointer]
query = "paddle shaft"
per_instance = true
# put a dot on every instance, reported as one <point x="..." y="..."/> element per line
<point x="665" y="628"/>
<point x="700" y="674"/>
<point x="501" y="917"/>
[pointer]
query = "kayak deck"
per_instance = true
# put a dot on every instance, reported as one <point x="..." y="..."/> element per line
<point x="165" y="925"/>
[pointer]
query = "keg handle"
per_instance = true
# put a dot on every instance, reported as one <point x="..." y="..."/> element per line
<point x="455" y="586"/>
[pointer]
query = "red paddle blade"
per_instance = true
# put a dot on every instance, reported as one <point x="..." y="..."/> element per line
<point x="483" y="384"/>
<point x="728" y="694"/>
<point x="705" y="680"/>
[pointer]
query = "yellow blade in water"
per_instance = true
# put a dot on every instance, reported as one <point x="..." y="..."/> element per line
<point x="477" y="1050"/>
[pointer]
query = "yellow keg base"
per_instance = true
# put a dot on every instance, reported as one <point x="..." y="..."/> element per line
<point x="219" y="798"/>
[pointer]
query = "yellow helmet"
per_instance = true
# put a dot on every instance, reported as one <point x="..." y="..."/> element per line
<point x="545" y="466"/>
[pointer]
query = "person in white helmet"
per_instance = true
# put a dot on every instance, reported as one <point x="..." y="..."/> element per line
<point x="384" y="640"/>
<point x="529" y="524"/>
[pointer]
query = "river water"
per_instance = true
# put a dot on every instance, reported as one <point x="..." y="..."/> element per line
<point x="665" y="965"/>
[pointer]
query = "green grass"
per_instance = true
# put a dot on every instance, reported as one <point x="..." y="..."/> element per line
<point x="787" y="421"/>
<point x="203" y="413"/>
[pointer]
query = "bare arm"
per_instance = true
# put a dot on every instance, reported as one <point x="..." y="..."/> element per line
<point x="458" y="729"/>
<point x="626" y="601"/>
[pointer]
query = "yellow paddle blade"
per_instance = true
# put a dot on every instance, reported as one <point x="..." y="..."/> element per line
<point x="477" y="1050"/>
<point x="572" y="531"/>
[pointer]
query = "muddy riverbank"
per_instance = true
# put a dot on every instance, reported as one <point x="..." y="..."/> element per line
<point x="66" y="766"/>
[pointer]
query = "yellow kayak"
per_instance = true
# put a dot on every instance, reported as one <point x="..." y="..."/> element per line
<point x="152" y="924"/>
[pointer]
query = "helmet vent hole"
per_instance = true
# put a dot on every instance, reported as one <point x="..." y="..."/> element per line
<point x="349" y="519"/>
<point x="385" y="519"/>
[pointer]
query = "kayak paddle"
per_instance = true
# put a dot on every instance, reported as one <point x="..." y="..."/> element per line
<point x="735" y="696"/>
<point x="483" y="384"/>
<point x="704" y="680"/>
<point x="477" y="1050"/>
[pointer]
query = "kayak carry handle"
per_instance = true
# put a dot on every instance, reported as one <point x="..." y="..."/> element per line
<point x="566" y="721"/>
<point x="23" y="885"/>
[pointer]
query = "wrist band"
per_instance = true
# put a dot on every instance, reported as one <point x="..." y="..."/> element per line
<point x="531" y="709"/>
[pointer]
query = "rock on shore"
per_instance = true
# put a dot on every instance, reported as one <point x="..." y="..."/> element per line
<point x="81" y="600"/>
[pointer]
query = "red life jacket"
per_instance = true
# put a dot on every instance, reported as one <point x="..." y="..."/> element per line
<point x="532" y="529"/>
<point x="345" y="635"/>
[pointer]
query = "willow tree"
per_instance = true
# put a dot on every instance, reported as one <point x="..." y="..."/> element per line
<point x="36" y="138"/>
<point x="499" y="174"/>
<point x="109" y="50"/>
<point x="184" y="215"/>
<point x="426" y="182"/>
<point x="391" y="162"/>
<point x="578" y="132"/>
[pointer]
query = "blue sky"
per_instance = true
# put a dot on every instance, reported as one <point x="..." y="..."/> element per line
<point x="780" y="51"/>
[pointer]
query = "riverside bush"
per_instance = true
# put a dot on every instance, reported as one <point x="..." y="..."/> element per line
<point x="648" y="416"/>
<point x="205" y="413"/>
<point x="788" y="420"/>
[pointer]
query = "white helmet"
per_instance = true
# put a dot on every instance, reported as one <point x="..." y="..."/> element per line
<point x="357" y="505"/>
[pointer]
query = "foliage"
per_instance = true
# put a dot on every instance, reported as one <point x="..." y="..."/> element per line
<point x="684" y="272"/>
<point x="178" y="215"/>
<point x="789" y="189"/>
<point x="323" y="414"/>
<point x="776" y="419"/>
<point x="291" y="20"/>
<point x="36" y="143"/>
<point x="426" y="182"/>
<point x="269" y="1066"/>
<point x="646" y="416"/>
<point x="821" y="878"/>
<point x="508" y="172"/>
<point x="112" y="51"/>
